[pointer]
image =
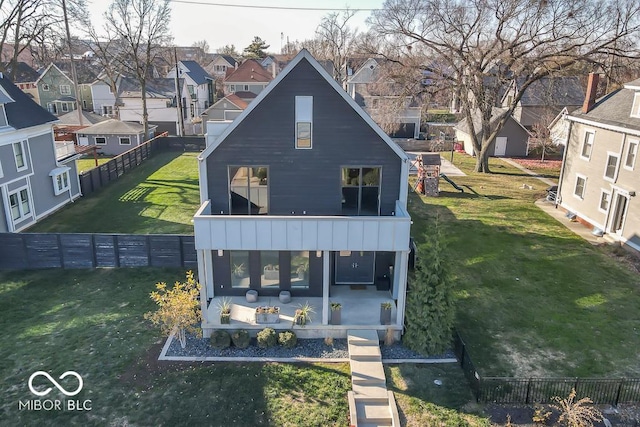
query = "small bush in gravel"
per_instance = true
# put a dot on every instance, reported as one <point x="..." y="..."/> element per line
<point x="241" y="338"/>
<point x="287" y="339"/>
<point x="220" y="339"/>
<point x="267" y="338"/>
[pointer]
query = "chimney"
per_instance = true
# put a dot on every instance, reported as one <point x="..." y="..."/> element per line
<point x="592" y="87"/>
<point x="273" y="69"/>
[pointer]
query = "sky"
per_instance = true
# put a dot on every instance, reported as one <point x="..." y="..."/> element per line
<point x="195" y="20"/>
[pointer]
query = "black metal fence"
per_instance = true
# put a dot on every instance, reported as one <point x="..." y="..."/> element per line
<point x="509" y="390"/>
<point x="79" y="250"/>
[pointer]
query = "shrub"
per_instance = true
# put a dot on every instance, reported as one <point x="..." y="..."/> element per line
<point x="220" y="339"/>
<point x="267" y="338"/>
<point x="241" y="338"/>
<point x="287" y="339"/>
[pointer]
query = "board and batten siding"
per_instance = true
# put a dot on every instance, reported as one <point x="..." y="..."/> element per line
<point x="303" y="181"/>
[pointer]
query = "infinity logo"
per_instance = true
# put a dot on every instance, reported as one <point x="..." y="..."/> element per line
<point x="55" y="383"/>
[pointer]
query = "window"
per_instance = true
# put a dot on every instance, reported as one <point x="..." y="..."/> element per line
<point x="248" y="190"/>
<point x="232" y="88"/>
<point x="304" y="120"/>
<point x="1" y="173"/>
<point x="60" y="178"/>
<point x="107" y="110"/>
<point x="65" y="90"/>
<point x="269" y="270"/>
<point x="45" y="87"/>
<point x="220" y="68"/>
<point x="239" y="269"/>
<point x="19" y="203"/>
<point x="192" y="90"/>
<point x="246" y="88"/>
<point x="125" y="140"/>
<point x="360" y="190"/>
<point x="587" y="145"/>
<point x="612" y="165"/>
<point x="605" y="198"/>
<point x="101" y="140"/>
<point x="581" y="184"/>
<point x="300" y="270"/>
<point x="65" y="107"/>
<point x="18" y="152"/>
<point x="635" y="109"/>
<point x="632" y="151"/>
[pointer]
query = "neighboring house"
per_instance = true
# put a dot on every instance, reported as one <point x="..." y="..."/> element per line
<point x="37" y="176"/>
<point x="67" y="124"/>
<point x="248" y="77"/>
<point x="25" y="78"/>
<point x="304" y="193"/>
<point x="544" y="99"/>
<point x="86" y="74"/>
<point x="113" y="137"/>
<point x="511" y="141"/>
<point x="103" y="96"/>
<point x="161" y="102"/>
<point x="228" y="108"/>
<point x="200" y="86"/>
<point x="600" y="177"/>
<point x="367" y="88"/>
<point x="220" y="64"/>
<point x="55" y="91"/>
<point x="559" y="129"/>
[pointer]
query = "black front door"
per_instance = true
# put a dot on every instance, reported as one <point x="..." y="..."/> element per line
<point x="354" y="267"/>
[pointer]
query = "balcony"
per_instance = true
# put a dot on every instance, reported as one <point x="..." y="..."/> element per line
<point x="65" y="149"/>
<point x="302" y="232"/>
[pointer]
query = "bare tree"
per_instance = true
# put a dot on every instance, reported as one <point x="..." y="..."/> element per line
<point x="335" y="40"/>
<point x="142" y="29"/>
<point x="228" y="49"/>
<point x="541" y="139"/>
<point x="476" y="47"/>
<point x="202" y="44"/>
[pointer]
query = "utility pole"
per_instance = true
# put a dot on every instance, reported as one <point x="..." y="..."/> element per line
<point x="178" y="95"/>
<point x="74" y="75"/>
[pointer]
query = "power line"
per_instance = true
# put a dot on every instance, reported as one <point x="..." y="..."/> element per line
<point x="248" y="6"/>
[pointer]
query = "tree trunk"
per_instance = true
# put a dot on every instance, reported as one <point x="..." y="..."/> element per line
<point x="145" y="112"/>
<point x="482" y="162"/>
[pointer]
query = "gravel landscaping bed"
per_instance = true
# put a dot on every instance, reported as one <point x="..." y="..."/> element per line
<point x="305" y="349"/>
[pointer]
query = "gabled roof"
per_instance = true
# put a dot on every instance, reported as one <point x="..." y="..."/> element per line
<point x="366" y="73"/>
<point x="249" y="71"/>
<point x="613" y="109"/>
<point x="22" y="111"/>
<point x="88" y="118"/>
<point x="304" y="55"/>
<point x="230" y="60"/>
<point x="24" y="74"/>
<point x="46" y="70"/>
<point x="156" y="88"/>
<point x="240" y="104"/>
<point x="558" y="91"/>
<point x="85" y="72"/>
<point x="196" y="72"/>
<point x="114" y="127"/>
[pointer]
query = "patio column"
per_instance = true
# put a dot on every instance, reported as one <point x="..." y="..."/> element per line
<point x="325" y="287"/>
<point x="400" y="283"/>
<point x="202" y="279"/>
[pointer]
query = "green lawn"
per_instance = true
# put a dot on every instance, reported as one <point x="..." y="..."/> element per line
<point x="90" y="321"/>
<point x="158" y="197"/>
<point x="88" y="163"/>
<point x="533" y="298"/>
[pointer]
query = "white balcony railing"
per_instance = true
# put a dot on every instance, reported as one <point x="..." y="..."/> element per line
<point x="65" y="149"/>
<point x="282" y="233"/>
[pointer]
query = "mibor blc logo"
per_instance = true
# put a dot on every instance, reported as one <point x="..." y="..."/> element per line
<point x="55" y="405"/>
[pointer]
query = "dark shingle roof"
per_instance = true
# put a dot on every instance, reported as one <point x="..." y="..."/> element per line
<point x="496" y="113"/>
<point x="85" y="71"/>
<point x="23" y="112"/>
<point x="558" y="91"/>
<point x="249" y="71"/>
<point x="156" y="88"/>
<point x="196" y="72"/>
<point x="24" y="74"/>
<point x="114" y="127"/>
<point x="89" y="118"/>
<point x="613" y="109"/>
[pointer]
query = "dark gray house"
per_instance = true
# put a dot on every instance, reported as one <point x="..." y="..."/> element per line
<point x="114" y="137"/>
<point x="37" y="175"/>
<point x="303" y="194"/>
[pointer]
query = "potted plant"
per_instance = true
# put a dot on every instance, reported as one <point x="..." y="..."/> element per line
<point x="302" y="271"/>
<point x="385" y="313"/>
<point x="303" y="314"/>
<point x="269" y="314"/>
<point x="271" y="272"/>
<point x="336" y="313"/>
<point x="224" y="307"/>
<point x="238" y="270"/>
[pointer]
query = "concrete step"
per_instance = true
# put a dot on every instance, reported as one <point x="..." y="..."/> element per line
<point x="373" y="412"/>
<point x="374" y="391"/>
<point x="383" y="424"/>
<point x="365" y="352"/>
<point x="367" y="370"/>
<point x="363" y="337"/>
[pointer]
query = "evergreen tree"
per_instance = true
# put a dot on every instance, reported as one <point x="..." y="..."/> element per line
<point x="256" y="50"/>
<point x="430" y="311"/>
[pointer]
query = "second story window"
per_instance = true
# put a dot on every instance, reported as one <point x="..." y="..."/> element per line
<point x="587" y="145"/>
<point x="18" y="153"/>
<point x="612" y="165"/>
<point x="632" y="152"/>
<point x="249" y="190"/>
<point x="360" y="190"/>
<point x="635" y="109"/>
<point x="65" y="90"/>
<point x="45" y="87"/>
<point x="304" y="122"/>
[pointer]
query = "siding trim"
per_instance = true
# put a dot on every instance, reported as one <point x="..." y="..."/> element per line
<point x="614" y="128"/>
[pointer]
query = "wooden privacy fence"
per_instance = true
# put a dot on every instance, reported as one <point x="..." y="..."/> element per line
<point x="75" y="250"/>
<point x="509" y="390"/>
<point x="100" y="176"/>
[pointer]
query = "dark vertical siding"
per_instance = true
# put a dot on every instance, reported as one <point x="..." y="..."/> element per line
<point x="303" y="180"/>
